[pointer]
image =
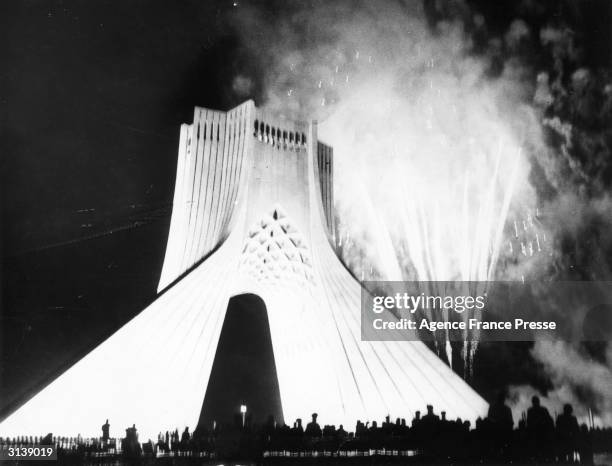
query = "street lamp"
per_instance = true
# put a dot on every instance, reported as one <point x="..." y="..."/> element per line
<point x="243" y="410"/>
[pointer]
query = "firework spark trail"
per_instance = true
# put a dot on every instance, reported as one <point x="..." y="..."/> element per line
<point x="427" y="227"/>
<point x="382" y="238"/>
<point x="427" y="169"/>
<point x="427" y="220"/>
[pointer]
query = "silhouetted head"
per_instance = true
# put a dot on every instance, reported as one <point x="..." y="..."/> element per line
<point x="567" y="409"/>
<point x="535" y="401"/>
<point x="299" y="422"/>
<point x="314" y="417"/>
<point x="429" y="409"/>
<point x="443" y="414"/>
<point x="107" y="421"/>
<point x="417" y="415"/>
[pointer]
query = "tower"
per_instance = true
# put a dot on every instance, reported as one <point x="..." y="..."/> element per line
<point x="252" y="213"/>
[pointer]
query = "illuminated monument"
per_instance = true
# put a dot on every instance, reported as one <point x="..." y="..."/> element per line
<point x="252" y="214"/>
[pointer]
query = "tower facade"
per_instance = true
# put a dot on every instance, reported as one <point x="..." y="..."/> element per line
<point x="252" y="213"/>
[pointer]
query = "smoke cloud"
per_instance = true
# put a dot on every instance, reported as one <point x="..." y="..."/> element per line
<point x="577" y="379"/>
<point x="430" y="152"/>
<point x="460" y="153"/>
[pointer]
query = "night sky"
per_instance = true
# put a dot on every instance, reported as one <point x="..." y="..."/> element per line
<point x="92" y="98"/>
<point x="95" y="98"/>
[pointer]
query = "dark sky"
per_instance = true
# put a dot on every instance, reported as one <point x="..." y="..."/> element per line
<point x="95" y="94"/>
<point x="92" y="97"/>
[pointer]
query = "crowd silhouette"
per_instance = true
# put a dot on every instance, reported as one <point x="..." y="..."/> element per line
<point x="429" y="438"/>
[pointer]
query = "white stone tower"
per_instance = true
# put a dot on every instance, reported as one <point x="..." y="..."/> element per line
<point x="252" y="214"/>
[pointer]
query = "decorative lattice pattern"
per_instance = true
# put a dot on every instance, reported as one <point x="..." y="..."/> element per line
<point x="275" y="251"/>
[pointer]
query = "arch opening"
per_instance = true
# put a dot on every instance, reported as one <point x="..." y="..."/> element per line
<point x="244" y="370"/>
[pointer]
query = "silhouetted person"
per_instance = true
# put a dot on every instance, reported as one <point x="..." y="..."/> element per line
<point x="417" y="431"/>
<point x="429" y="428"/>
<point x="313" y="429"/>
<point x="387" y="426"/>
<point x="131" y="446"/>
<point x="185" y="438"/>
<point x="500" y="415"/>
<point x="341" y="434"/>
<point x="430" y="420"/>
<point x="359" y="428"/>
<point x="499" y="426"/>
<point x="567" y="433"/>
<point x="538" y="417"/>
<point x="298" y="430"/>
<point x="539" y="429"/>
<point x="105" y="431"/>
